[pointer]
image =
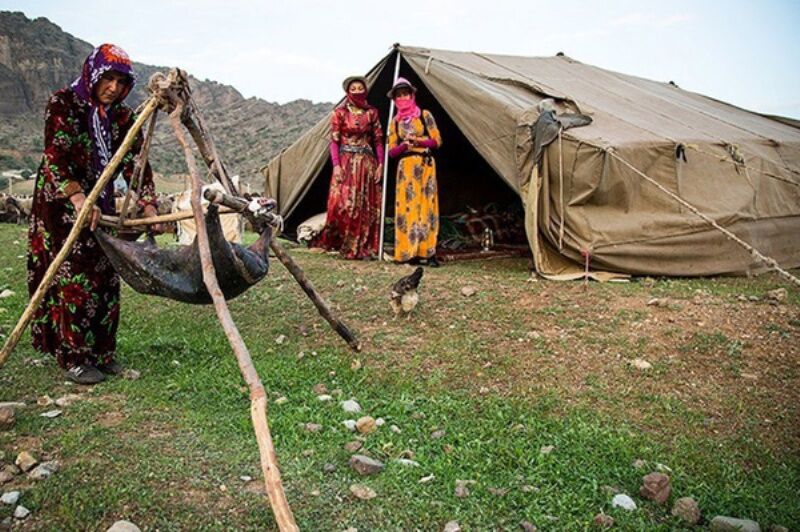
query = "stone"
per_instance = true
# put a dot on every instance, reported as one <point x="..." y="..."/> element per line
<point x="655" y="487"/>
<point x="363" y="492"/>
<point x="407" y="462"/>
<point x="312" y="427"/>
<point x="353" y="446"/>
<point x="687" y="509"/>
<point x="350" y="424"/>
<point x="778" y="295"/>
<point x="364" y="465"/>
<point x="777" y="528"/>
<point x="641" y="364"/>
<point x="426" y="479"/>
<point x="7" y="418"/>
<point x="437" y="434"/>
<point x="324" y="398"/>
<point x="20" y="512"/>
<point x="639" y="463"/>
<point x="452" y="526"/>
<point x="245" y="478"/>
<point x="124" y="526"/>
<point x="281" y="400"/>
<point x="462" y="489"/>
<point x="723" y="523"/>
<point x="51" y="414"/>
<point x="351" y="406"/>
<point x="67" y="400"/>
<point x="320" y="389"/>
<point x="527" y="526"/>
<point x="281" y="339"/>
<point x="329" y="468"/>
<point x="131" y="374"/>
<point x="25" y="461"/>
<point x="623" y="501"/>
<point x="12" y="404"/>
<point x="44" y="400"/>
<point x="5" y="476"/>
<point x="395" y="429"/>
<point x="468" y="291"/>
<point x="6" y="293"/>
<point x="44" y="470"/>
<point x="355" y="365"/>
<point x="602" y="520"/>
<point x="546" y="449"/>
<point x="379" y="422"/>
<point x="11" y="497"/>
<point x="497" y="492"/>
<point x="365" y="425"/>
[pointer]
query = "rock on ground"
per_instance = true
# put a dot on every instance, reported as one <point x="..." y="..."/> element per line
<point x="7" y="418"/>
<point x="687" y="509"/>
<point x="124" y="526"/>
<point x="723" y="523"/>
<point x="623" y="501"/>
<point x="25" y="461"/>
<point x="365" y="425"/>
<point x="363" y="492"/>
<point x="351" y="406"/>
<point x="603" y="521"/>
<point x="20" y="512"/>
<point x="44" y="470"/>
<point x="11" y="497"/>
<point x="452" y="526"/>
<point x="364" y="465"/>
<point x="655" y="487"/>
<point x="527" y="526"/>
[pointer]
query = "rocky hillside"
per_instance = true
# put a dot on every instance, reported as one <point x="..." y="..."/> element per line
<point x="37" y="57"/>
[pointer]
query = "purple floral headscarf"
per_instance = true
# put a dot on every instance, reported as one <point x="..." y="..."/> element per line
<point x="104" y="58"/>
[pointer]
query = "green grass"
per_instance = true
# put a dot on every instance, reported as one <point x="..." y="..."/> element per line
<point x="157" y="450"/>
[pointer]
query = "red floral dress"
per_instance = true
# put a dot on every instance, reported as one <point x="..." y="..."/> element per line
<point x="77" y="319"/>
<point x="354" y="201"/>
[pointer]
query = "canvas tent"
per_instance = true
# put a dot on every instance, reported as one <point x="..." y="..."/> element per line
<point x="740" y="168"/>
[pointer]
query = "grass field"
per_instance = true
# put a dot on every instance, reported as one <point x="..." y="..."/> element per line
<point x="516" y="368"/>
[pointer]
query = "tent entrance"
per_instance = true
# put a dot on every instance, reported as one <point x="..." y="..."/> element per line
<point x="472" y="195"/>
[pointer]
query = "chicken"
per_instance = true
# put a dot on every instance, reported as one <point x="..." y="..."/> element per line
<point x="404" y="294"/>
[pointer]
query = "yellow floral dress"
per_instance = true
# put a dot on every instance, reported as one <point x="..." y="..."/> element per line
<point x="416" y="208"/>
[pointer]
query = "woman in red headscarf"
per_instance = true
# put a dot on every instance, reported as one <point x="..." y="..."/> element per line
<point x="84" y="126"/>
<point x="354" y="201"/>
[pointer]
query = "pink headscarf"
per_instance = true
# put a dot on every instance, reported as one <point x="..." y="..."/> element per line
<point x="407" y="109"/>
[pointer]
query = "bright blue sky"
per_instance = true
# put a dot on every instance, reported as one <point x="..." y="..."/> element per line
<point x="746" y="53"/>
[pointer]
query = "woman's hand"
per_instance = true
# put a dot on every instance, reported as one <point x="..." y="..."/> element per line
<point x="411" y="140"/>
<point x="149" y="212"/>
<point x="379" y="173"/>
<point x="337" y="172"/>
<point x="77" y="201"/>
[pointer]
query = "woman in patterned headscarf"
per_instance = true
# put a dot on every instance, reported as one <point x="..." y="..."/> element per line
<point x="84" y="126"/>
<point x="412" y="137"/>
<point x="354" y="200"/>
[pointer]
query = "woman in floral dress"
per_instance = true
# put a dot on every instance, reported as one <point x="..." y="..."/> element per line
<point x="84" y="126"/>
<point x="412" y="136"/>
<point x="354" y="201"/>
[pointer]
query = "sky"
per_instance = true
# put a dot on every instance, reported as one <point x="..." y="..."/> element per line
<point x="743" y="52"/>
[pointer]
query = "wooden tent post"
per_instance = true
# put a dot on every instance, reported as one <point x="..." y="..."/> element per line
<point x="385" y="161"/>
<point x="258" y="397"/>
<point x="110" y="169"/>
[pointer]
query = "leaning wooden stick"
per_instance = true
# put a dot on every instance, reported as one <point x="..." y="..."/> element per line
<point x="80" y="221"/>
<point x="107" y="220"/>
<point x="205" y="145"/>
<point x="239" y="204"/>
<point x="258" y="397"/>
<point x="138" y="171"/>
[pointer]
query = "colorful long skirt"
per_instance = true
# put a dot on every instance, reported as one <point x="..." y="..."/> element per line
<point x="416" y="207"/>
<point x="354" y="209"/>
<point x="77" y="319"/>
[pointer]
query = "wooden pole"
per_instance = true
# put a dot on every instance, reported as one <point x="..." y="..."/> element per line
<point x="138" y="170"/>
<point x="113" y="221"/>
<point x="258" y="397"/>
<point x="386" y="159"/>
<point x="205" y="145"/>
<point x="80" y="221"/>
